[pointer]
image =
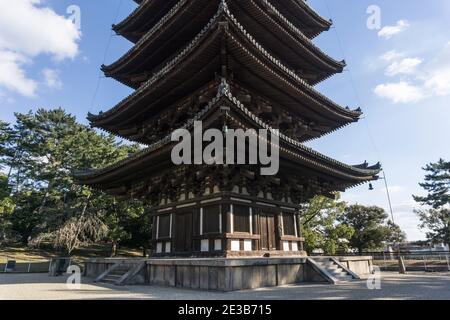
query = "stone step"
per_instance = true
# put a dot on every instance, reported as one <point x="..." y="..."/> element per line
<point x="345" y="278"/>
<point x="118" y="273"/>
<point x="114" y="275"/>
<point x="328" y="265"/>
<point x="339" y="274"/>
<point x="111" y="278"/>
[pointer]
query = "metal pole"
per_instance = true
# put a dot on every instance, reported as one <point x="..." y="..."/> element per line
<point x="389" y="197"/>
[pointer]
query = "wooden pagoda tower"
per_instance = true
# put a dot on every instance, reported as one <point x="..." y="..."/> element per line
<point x="245" y="63"/>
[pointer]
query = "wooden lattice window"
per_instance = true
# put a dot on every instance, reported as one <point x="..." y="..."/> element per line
<point x="164" y="226"/>
<point x="289" y="224"/>
<point x="211" y="219"/>
<point x="241" y="215"/>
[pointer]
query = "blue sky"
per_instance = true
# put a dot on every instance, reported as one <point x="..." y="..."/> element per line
<point x="399" y="75"/>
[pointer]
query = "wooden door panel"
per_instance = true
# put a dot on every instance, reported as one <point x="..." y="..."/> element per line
<point x="267" y="228"/>
<point x="183" y="232"/>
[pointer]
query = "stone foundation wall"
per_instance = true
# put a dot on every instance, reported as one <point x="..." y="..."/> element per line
<point x="360" y="265"/>
<point x="227" y="274"/>
<point x="239" y="274"/>
<point x="96" y="266"/>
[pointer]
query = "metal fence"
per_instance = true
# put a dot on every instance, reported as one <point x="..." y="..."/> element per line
<point x="11" y="265"/>
<point x="414" y="261"/>
<point x="431" y="261"/>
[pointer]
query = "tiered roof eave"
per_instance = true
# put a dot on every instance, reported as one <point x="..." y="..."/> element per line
<point x="289" y="148"/>
<point x="276" y="68"/>
<point x="300" y="10"/>
<point x="299" y="45"/>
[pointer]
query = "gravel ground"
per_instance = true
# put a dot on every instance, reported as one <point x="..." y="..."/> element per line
<point x="393" y="286"/>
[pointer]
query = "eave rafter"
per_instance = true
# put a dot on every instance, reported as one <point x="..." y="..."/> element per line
<point x="298" y="12"/>
<point x="278" y="35"/>
<point x="302" y="16"/>
<point x="252" y="65"/>
<point x="289" y="148"/>
<point x="280" y="74"/>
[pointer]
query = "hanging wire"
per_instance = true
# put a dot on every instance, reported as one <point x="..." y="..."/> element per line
<point x="105" y="55"/>
<point x="359" y="100"/>
<point x="352" y="82"/>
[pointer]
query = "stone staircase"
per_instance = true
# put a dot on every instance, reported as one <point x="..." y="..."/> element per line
<point x="120" y="274"/>
<point x="333" y="270"/>
<point x="115" y="275"/>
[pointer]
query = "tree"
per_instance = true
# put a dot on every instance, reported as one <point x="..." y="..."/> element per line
<point x="25" y="216"/>
<point x="49" y="146"/>
<point x="437" y="219"/>
<point x="6" y="138"/>
<point x="6" y="207"/>
<point x="370" y="225"/>
<point x="396" y="235"/>
<point x="437" y="224"/>
<point x="437" y="184"/>
<point x="321" y="228"/>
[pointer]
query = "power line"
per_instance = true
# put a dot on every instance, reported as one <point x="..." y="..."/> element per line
<point x="359" y="100"/>
<point x="352" y="82"/>
<point x="105" y="55"/>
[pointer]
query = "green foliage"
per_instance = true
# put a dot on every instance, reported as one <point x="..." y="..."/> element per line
<point x="321" y="229"/>
<point x="26" y="215"/>
<point x="437" y="184"/>
<point x="437" y="224"/>
<point x="436" y="221"/>
<point x="43" y="149"/>
<point x="370" y="225"/>
<point x="6" y="206"/>
<point x="5" y="139"/>
<point x="396" y="234"/>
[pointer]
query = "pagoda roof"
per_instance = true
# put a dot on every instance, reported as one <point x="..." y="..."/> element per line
<point x="148" y="13"/>
<point x="143" y="18"/>
<point x="285" y="41"/>
<point x="302" y="16"/>
<point x="197" y="65"/>
<point x="157" y="156"/>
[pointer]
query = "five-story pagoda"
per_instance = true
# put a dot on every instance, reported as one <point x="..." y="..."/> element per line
<point x="240" y="64"/>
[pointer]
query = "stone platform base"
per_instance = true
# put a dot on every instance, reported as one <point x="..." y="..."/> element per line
<point x="218" y="274"/>
<point x="230" y="274"/>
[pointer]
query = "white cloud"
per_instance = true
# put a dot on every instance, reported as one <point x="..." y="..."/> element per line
<point x="29" y="29"/>
<point x="51" y="78"/>
<point x="392" y="55"/>
<point x="400" y="92"/>
<point x="405" y="66"/>
<point x="437" y="73"/>
<point x="419" y="79"/>
<point x="12" y="76"/>
<point x="390" y="31"/>
<point x="439" y="82"/>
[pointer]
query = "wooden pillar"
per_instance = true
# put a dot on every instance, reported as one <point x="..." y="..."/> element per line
<point x="229" y="226"/>
<point x="279" y="224"/>
<point x="299" y="229"/>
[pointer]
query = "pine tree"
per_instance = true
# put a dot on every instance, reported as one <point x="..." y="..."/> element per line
<point x="437" y="184"/>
